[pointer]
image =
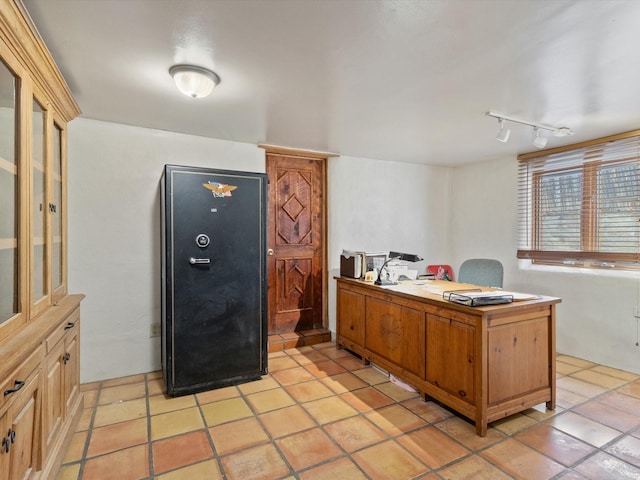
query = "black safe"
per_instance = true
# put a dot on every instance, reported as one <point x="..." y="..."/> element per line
<point x="214" y="283"/>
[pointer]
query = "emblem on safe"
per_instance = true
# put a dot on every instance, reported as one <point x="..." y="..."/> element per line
<point x="218" y="189"/>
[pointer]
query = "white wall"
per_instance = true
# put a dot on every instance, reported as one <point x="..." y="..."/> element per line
<point x="114" y="234"/>
<point x="377" y="206"/>
<point x="114" y="230"/>
<point x="445" y="215"/>
<point x="595" y="319"/>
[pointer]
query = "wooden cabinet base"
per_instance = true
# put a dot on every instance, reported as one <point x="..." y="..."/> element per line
<point x="41" y="365"/>
<point x="486" y="363"/>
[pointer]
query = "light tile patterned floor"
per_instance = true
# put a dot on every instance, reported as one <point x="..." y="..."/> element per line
<point x="321" y="414"/>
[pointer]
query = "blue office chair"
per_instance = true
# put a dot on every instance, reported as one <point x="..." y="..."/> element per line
<point x="481" y="271"/>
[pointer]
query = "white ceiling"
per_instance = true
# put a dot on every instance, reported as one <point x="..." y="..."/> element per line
<point x="405" y="80"/>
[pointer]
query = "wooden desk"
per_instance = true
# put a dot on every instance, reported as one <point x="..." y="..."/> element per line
<point x="484" y="362"/>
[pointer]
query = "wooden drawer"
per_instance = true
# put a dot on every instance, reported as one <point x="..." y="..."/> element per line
<point x="20" y="374"/>
<point x="70" y="322"/>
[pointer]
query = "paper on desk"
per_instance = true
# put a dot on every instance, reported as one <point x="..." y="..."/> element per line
<point x="439" y="289"/>
<point x="519" y="296"/>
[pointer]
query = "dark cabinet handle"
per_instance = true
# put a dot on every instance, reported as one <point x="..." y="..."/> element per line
<point x="6" y="442"/>
<point x="69" y="325"/>
<point x="18" y="385"/>
<point x="66" y="357"/>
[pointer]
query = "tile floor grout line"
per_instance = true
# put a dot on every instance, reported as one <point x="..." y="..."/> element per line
<point x="345" y="454"/>
<point x="274" y="440"/>
<point x="149" y="438"/>
<point x="207" y="428"/>
<point x="512" y="432"/>
<point x="94" y="413"/>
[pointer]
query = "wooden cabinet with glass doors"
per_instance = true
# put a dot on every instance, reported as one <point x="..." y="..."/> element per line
<point x="39" y="321"/>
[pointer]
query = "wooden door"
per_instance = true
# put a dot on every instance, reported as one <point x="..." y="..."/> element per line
<point x="296" y="242"/>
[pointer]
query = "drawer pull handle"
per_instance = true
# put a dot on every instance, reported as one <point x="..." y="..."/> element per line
<point x="6" y="445"/>
<point x="11" y="435"/>
<point x="18" y="385"/>
<point x="66" y="357"/>
<point x="70" y="325"/>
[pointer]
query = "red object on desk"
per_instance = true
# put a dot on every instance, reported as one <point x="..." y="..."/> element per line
<point x="441" y="272"/>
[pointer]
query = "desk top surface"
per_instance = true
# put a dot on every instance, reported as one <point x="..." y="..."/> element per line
<point x="437" y="289"/>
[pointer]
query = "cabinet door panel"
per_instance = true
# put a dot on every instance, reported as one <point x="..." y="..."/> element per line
<point x="396" y="333"/>
<point x="72" y="370"/>
<point x="351" y="315"/>
<point x="450" y="357"/>
<point x="22" y="456"/>
<point x="511" y="351"/>
<point x="4" y="457"/>
<point x="53" y="403"/>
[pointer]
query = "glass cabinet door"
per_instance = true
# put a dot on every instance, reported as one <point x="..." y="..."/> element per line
<point x="9" y="205"/>
<point x="58" y="207"/>
<point x="39" y="206"/>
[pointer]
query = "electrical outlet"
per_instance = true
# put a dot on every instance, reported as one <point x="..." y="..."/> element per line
<point x="155" y="330"/>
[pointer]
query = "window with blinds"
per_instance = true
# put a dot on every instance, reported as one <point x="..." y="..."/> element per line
<point x="580" y="205"/>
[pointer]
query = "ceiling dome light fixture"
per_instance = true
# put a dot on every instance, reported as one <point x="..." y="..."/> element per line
<point x="539" y="141"/>
<point x="503" y="134"/>
<point x="194" y="81"/>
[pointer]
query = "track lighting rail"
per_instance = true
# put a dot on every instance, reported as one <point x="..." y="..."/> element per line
<point x="555" y="131"/>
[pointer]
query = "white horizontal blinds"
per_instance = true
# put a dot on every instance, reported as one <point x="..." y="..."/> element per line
<point x="581" y="205"/>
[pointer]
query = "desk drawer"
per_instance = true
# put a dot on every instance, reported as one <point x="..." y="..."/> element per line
<point x="18" y="378"/>
<point x="69" y="323"/>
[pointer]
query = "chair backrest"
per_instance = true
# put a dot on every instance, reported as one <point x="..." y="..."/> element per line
<point x="481" y="271"/>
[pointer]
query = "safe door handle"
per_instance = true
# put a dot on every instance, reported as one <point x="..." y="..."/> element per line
<point x="199" y="261"/>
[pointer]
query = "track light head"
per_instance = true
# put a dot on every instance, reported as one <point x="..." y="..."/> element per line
<point x="503" y="134"/>
<point x="562" y="132"/>
<point x="539" y="141"/>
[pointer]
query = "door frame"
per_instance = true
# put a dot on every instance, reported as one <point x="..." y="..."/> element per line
<point x="316" y="155"/>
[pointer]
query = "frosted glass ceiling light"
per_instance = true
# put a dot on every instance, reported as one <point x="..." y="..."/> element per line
<point x="539" y="141"/>
<point x="503" y="134"/>
<point x="196" y="82"/>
